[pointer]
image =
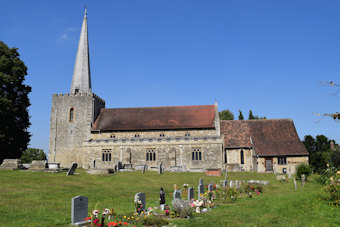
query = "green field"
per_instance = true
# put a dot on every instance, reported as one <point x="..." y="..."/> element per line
<point x="44" y="199"/>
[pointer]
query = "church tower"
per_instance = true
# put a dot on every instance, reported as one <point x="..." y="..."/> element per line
<point x="73" y="114"/>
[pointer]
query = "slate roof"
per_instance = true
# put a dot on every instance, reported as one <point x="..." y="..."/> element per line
<point x="268" y="137"/>
<point x="156" y="118"/>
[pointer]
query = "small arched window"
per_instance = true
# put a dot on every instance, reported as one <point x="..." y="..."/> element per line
<point x="71" y="116"/>
<point x="242" y="157"/>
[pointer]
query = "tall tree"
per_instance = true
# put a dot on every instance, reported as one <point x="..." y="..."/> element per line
<point x="240" y="116"/>
<point x="226" y="115"/>
<point x="251" y="116"/>
<point x="14" y="102"/>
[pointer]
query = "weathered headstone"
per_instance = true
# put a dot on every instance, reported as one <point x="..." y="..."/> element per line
<point x="177" y="194"/>
<point x="72" y="169"/>
<point x="160" y="170"/>
<point x="39" y="165"/>
<point x="303" y="179"/>
<point x="144" y="168"/>
<point x="79" y="209"/>
<point x="210" y="187"/>
<point x="295" y="185"/>
<point x="120" y="165"/>
<point x="226" y="173"/>
<point x="289" y="173"/>
<point x="140" y="197"/>
<point x="190" y="193"/>
<point x="200" y="191"/>
<point x="224" y="183"/>
<point x="200" y="181"/>
<point x="231" y="183"/>
<point x="236" y="183"/>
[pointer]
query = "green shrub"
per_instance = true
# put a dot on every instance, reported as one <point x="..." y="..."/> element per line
<point x="182" y="208"/>
<point x="155" y="221"/>
<point x="302" y="168"/>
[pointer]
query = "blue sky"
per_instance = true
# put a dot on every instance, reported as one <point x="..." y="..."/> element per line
<point x="267" y="56"/>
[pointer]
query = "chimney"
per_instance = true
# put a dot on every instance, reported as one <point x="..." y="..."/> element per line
<point x="332" y="145"/>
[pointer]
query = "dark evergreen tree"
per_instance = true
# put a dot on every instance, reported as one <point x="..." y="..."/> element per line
<point x="251" y="116"/>
<point x="226" y="115"/>
<point x="14" y="102"/>
<point x="240" y="116"/>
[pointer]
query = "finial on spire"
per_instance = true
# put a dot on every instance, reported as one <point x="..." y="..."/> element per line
<point x="85" y="11"/>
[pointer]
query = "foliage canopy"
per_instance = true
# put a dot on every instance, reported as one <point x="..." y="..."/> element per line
<point x="14" y="102"/>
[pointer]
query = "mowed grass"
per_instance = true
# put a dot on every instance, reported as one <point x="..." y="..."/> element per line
<point x="44" y="199"/>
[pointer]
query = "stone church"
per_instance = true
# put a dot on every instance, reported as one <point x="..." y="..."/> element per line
<point x="182" y="138"/>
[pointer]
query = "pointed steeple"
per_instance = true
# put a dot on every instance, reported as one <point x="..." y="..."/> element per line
<point x="81" y="81"/>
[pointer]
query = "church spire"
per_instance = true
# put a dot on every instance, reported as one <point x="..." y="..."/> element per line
<point x="81" y="81"/>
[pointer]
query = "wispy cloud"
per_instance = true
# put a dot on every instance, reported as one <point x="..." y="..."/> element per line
<point x="68" y="34"/>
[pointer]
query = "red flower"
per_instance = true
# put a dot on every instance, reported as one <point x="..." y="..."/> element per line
<point x="112" y="224"/>
<point x="96" y="222"/>
<point x="88" y="218"/>
<point x="120" y="222"/>
<point x="125" y="223"/>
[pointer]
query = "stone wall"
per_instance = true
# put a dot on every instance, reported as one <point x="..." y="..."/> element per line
<point x="67" y="137"/>
<point x="171" y="151"/>
<point x="234" y="157"/>
<point x="292" y="162"/>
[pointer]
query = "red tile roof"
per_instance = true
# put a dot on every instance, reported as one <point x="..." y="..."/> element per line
<point x="268" y="137"/>
<point x="156" y="118"/>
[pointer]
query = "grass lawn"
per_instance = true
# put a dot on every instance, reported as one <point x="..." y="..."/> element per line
<point x="44" y="199"/>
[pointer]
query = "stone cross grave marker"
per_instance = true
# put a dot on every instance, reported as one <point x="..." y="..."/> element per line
<point x="295" y="185"/>
<point x="210" y="187"/>
<point x="224" y="183"/>
<point x="177" y="194"/>
<point x="79" y="209"/>
<point x="140" y="197"/>
<point x="200" y="191"/>
<point x="72" y="169"/>
<point x="160" y="170"/>
<point x="190" y="193"/>
<point x="231" y="183"/>
<point x="303" y="179"/>
<point x="200" y="181"/>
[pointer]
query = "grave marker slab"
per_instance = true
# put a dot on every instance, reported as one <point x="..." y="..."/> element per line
<point x="200" y="191"/>
<point x="210" y="187"/>
<point x="140" y="197"/>
<point x="39" y="165"/>
<point x="72" y="169"/>
<point x="200" y="181"/>
<point x="224" y="183"/>
<point x="303" y="179"/>
<point x="177" y="194"/>
<point x="79" y="209"/>
<point x="11" y="164"/>
<point x="231" y="183"/>
<point x="160" y="170"/>
<point x="190" y="193"/>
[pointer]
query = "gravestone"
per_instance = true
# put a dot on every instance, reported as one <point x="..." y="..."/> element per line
<point x="79" y="209"/>
<point x="144" y="168"/>
<point x="39" y="165"/>
<point x="190" y="193"/>
<point x="303" y="179"/>
<point x="11" y="164"/>
<point x="224" y="183"/>
<point x="200" y="191"/>
<point x="295" y="185"/>
<point x="72" y="169"/>
<point x="140" y="197"/>
<point x="289" y="173"/>
<point x="119" y="165"/>
<point x="226" y="173"/>
<point x="236" y="183"/>
<point x="210" y="187"/>
<point x="231" y="183"/>
<point x="160" y="170"/>
<point x="177" y="194"/>
<point x="200" y="181"/>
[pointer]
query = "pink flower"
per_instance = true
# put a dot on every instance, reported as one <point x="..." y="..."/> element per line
<point x="257" y="192"/>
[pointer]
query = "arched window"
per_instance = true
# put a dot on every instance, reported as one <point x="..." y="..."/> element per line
<point x="150" y="154"/>
<point x="106" y="155"/>
<point x="71" y="116"/>
<point x="242" y="157"/>
<point x="196" y="154"/>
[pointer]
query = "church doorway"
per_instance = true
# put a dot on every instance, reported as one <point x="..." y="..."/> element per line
<point x="269" y="164"/>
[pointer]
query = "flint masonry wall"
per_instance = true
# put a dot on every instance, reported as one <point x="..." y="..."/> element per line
<point x="292" y="162"/>
<point x="67" y="137"/>
<point x="172" y="150"/>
